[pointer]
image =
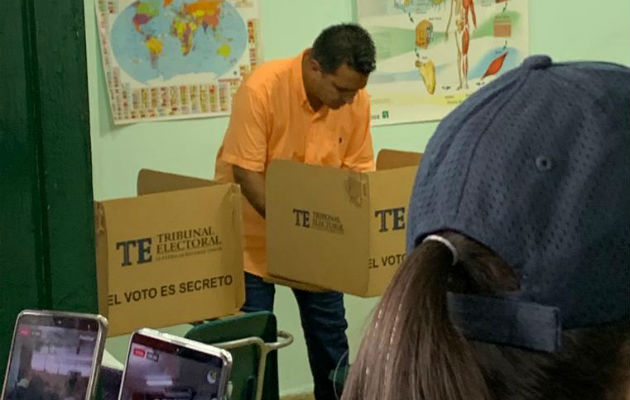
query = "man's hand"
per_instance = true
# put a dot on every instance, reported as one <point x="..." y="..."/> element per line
<point x="253" y="187"/>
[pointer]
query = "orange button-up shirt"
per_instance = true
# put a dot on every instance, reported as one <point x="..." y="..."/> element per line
<point x="272" y="119"/>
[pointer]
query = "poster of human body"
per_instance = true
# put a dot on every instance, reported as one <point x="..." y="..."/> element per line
<point x="169" y="59"/>
<point x="432" y="54"/>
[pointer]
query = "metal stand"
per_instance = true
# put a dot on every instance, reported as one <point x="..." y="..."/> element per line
<point x="284" y="339"/>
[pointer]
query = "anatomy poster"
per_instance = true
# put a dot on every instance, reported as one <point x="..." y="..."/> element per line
<point x="432" y="54"/>
<point x="171" y="59"/>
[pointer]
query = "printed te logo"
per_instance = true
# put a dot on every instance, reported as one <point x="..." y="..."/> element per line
<point x="385" y="114"/>
<point x="143" y="247"/>
<point x="318" y="220"/>
<point x="394" y="217"/>
<point x="302" y="218"/>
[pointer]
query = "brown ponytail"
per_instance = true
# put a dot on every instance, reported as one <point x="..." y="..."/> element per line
<point x="411" y="350"/>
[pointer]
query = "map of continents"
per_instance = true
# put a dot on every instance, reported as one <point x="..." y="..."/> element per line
<point x="161" y="39"/>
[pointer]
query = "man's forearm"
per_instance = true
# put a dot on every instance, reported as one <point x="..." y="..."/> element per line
<point x="253" y="187"/>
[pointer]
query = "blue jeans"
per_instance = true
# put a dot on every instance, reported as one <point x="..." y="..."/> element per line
<point x="324" y="324"/>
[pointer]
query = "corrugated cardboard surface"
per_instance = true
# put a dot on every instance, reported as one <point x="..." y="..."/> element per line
<point x="293" y="284"/>
<point x="172" y="257"/>
<point x="338" y="229"/>
<point x="150" y="181"/>
<point x="389" y="159"/>
<point x="390" y="191"/>
<point x="314" y="215"/>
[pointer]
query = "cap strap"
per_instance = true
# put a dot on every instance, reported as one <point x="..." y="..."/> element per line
<point x="506" y="321"/>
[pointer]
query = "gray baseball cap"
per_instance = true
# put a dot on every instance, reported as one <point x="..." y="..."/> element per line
<point x="536" y="166"/>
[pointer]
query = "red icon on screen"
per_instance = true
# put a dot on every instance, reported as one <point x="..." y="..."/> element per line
<point x="139" y="352"/>
<point x="24" y="331"/>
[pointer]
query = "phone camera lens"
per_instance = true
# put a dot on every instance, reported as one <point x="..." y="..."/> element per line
<point x="212" y="377"/>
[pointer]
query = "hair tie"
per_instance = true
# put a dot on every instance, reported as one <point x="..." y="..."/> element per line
<point x="445" y="242"/>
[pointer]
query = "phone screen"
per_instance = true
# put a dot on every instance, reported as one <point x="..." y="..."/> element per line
<point x="160" y="370"/>
<point x="52" y="358"/>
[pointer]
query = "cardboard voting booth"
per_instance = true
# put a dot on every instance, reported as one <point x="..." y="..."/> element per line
<point x="171" y="255"/>
<point x="336" y="228"/>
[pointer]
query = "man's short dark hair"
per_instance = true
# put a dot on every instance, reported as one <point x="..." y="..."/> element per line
<point x="345" y="43"/>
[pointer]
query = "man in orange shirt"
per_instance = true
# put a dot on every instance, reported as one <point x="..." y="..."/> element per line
<point x="313" y="109"/>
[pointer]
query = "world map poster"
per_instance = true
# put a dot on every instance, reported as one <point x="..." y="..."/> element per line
<point x="172" y="59"/>
<point x="433" y="54"/>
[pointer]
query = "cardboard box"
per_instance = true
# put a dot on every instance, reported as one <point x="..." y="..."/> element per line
<point x="293" y="284"/>
<point x="174" y="254"/>
<point x="339" y="229"/>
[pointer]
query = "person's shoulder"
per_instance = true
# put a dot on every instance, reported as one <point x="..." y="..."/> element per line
<point x="269" y="74"/>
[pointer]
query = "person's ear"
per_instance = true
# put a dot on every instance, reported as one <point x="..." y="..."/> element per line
<point x="315" y="65"/>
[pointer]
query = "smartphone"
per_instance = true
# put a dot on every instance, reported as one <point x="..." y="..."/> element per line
<point x="163" y="366"/>
<point x="54" y="355"/>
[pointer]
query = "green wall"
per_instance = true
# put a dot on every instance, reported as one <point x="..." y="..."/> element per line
<point x="565" y="29"/>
